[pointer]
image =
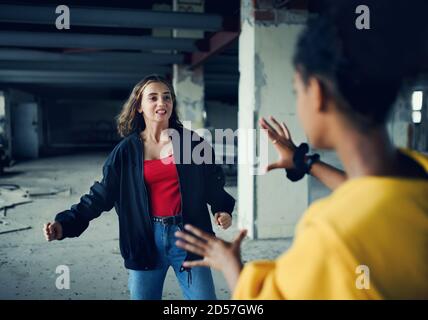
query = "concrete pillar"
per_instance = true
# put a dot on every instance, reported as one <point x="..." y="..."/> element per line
<point x="189" y="84"/>
<point x="269" y="205"/>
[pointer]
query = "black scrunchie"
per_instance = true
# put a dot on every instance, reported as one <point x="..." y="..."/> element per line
<point x="300" y="166"/>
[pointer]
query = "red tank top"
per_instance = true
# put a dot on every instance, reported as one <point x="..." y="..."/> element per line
<point x="161" y="178"/>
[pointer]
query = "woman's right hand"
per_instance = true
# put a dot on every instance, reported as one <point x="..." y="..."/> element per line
<point x="281" y="139"/>
<point x="52" y="231"/>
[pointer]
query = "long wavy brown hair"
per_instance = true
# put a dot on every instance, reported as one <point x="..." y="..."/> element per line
<point x="130" y="121"/>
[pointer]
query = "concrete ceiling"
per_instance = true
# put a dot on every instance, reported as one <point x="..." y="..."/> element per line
<point x="110" y="45"/>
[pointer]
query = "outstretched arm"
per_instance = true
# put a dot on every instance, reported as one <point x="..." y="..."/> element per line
<point x="72" y="222"/>
<point x="284" y="145"/>
<point x="330" y="176"/>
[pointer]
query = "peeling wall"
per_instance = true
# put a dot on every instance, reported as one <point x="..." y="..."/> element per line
<point x="266" y="84"/>
<point x="189" y="84"/>
<point x="400" y="121"/>
<point x="274" y="47"/>
<point x="189" y="88"/>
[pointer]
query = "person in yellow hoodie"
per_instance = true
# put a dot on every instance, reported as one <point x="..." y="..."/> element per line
<point x="369" y="238"/>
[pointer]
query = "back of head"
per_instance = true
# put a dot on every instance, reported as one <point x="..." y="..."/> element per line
<point x="365" y="66"/>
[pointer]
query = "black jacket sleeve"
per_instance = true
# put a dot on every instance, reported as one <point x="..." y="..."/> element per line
<point x="101" y="197"/>
<point x="214" y="180"/>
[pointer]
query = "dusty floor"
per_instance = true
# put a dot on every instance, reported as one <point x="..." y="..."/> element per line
<point x="28" y="262"/>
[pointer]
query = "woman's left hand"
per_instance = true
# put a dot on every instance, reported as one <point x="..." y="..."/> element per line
<point x="217" y="253"/>
<point x="223" y="219"/>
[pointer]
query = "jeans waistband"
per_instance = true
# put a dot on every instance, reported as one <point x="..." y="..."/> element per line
<point x="168" y="220"/>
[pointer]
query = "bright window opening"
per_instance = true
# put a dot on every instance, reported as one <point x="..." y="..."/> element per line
<point x="2" y="106"/>
<point x="417" y="97"/>
<point x="416" y="116"/>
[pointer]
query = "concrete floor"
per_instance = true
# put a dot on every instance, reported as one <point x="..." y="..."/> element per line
<point x="28" y="262"/>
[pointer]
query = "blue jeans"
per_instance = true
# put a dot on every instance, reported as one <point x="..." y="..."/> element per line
<point x="196" y="284"/>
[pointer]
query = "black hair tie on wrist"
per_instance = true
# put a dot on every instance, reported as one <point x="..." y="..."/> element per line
<point x="302" y="166"/>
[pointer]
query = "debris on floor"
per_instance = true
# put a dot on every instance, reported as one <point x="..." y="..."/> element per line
<point x="38" y="192"/>
<point x="11" y="226"/>
<point x="12" y="195"/>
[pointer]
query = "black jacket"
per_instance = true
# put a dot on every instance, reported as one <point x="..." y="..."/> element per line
<point x="123" y="187"/>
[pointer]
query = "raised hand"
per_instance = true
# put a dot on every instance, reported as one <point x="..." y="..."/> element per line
<point x="216" y="253"/>
<point x="281" y="139"/>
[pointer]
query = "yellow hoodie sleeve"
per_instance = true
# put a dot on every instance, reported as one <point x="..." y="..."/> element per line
<point x="421" y="158"/>
<point x="317" y="266"/>
<point x="257" y="281"/>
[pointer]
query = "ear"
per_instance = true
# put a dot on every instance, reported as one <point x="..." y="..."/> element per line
<point x="317" y="94"/>
<point x="139" y="108"/>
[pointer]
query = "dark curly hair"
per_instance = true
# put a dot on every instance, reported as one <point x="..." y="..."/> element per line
<point x="364" y="68"/>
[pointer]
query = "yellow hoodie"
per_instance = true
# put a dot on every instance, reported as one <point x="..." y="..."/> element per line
<point x="367" y="240"/>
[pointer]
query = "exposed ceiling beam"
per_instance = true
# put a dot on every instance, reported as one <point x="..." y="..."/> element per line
<point x="104" y="57"/>
<point x="95" y="66"/>
<point x="217" y="43"/>
<point x="63" y="39"/>
<point x="74" y="93"/>
<point x="100" y="79"/>
<point x="112" y="17"/>
<point x="97" y="79"/>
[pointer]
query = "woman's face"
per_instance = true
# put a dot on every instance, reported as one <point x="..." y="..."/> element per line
<point x="309" y="110"/>
<point x="156" y="102"/>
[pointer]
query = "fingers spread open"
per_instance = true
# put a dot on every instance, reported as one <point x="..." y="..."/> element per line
<point x="278" y="127"/>
<point x="267" y="126"/>
<point x="197" y="263"/>
<point x="287" y="132"/>
<point x="241" y="235"/>
<point x="198" y="232"/>
<point x="270" y="134"/>
<point x="190" y="247"/>
<point x="191" y="239"/>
